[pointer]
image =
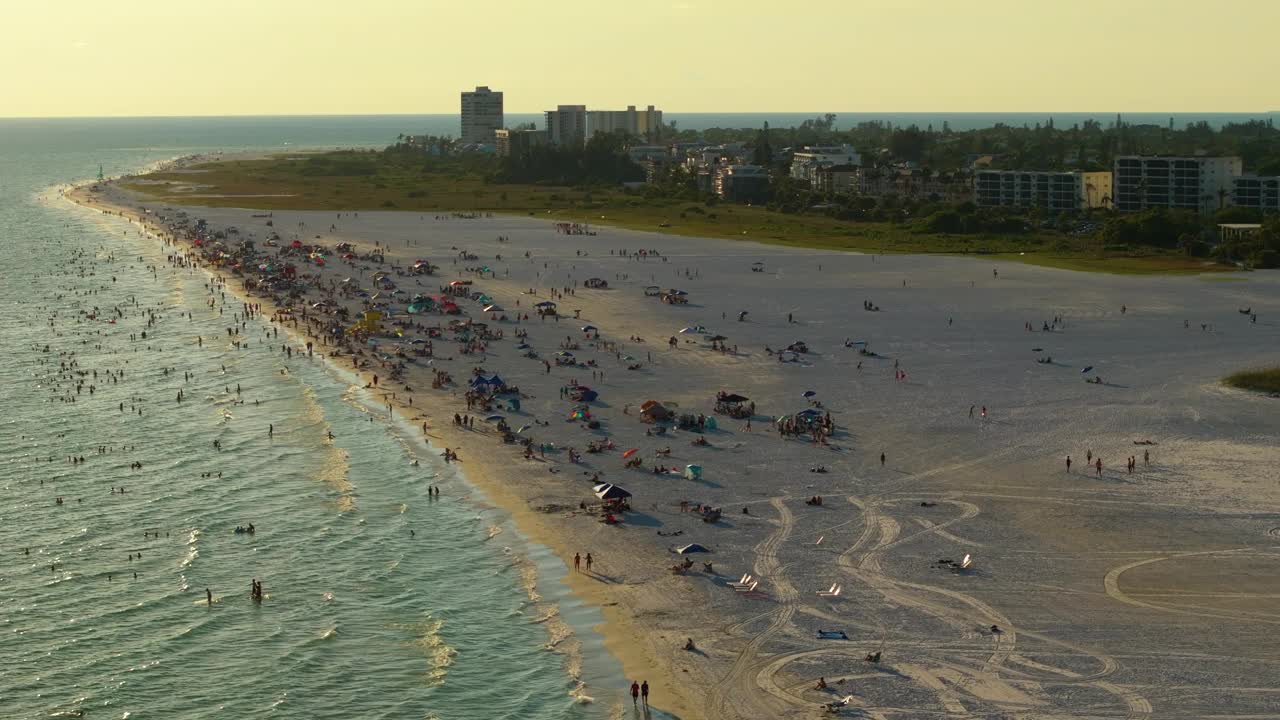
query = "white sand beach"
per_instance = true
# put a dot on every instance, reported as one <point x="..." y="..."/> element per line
<point x="1151" y="593"/>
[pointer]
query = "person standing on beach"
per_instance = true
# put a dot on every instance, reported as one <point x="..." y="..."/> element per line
<point x="635" y="693"/>
<point x="577" y="562"/>
<point x="1098" y="465"/>
<point x="208" y="596"/>
<point x="1068" y="463"/>
<point x="644" y="693"/>
<point x="881" y="459"/>
<point x="589" y="561"/>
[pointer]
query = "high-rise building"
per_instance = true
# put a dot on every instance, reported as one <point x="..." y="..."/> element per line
<point x="567" y="125"/>
<point x="645" y="123"/>
<point x="1049" y="191"/>
<point x="481" y="115"/>
<point x="1203" y="184"/>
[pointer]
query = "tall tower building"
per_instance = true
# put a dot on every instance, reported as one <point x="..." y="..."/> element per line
<point x="481" y="115"/>
<point x="567" y="125"/>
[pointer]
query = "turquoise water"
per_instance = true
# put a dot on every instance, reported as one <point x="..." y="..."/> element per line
<point x="381" y="602"/>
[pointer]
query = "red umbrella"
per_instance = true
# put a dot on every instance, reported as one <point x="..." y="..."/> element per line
<point x="630" y="452"/>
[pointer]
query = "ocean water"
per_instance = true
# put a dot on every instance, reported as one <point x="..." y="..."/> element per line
<point x="381" y="602"/>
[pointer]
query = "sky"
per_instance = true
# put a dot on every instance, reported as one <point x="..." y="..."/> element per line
<point x="283" y="57"/>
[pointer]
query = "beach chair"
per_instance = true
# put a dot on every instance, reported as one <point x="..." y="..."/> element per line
<point x="833" y="592"/>
<point x="967" y="562"/>
<point x="829" y="590"/>
<point x="836" y="706"/>
<point x="745" y="581"/>
<point x="749" y="589"/>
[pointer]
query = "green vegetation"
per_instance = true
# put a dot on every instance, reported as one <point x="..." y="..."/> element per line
<point x="429" y="183"/>
<point x="1086" y="146"/>
<point x="1262" y="380"/>
<point x="423" y="174"/>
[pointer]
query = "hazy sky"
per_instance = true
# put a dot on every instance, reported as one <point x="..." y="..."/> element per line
<point x="235" y="57"/>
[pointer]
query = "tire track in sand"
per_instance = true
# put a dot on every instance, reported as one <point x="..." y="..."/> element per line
<point x="1111" y="583"/>
<point x="739" y="683"/>
<point x="1005" y="644"/>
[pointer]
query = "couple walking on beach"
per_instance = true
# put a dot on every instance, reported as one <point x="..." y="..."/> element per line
<point x="640" y="692"/>
<point x="577" y="562"/>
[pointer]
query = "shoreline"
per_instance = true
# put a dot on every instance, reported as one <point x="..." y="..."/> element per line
<point x="992" y="487"/>
<point x="620" y="638"/>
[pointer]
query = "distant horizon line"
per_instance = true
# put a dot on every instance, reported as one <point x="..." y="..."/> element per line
<point x="813" y="113"/>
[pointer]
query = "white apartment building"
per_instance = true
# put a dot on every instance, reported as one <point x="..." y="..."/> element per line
<point x="1050" y="191"/>
<point x="1256" y="192"/>
<point x="806" y="163"/>
<point x="634" y="123"/>
<point x="567" y="125"/>
<point x="1203" y="184"/>
<point x="481" y="115"/>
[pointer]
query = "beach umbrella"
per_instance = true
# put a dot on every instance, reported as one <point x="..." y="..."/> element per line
<point x="493" y="308"/>
<point x="810" y="393"/>
<point x="734" y="397"/>
<point x="589" y="328"/>
<point x="630" y="452"/>
<point x="718" y="338"/>
<point x="691" y="548"/>
<point x="1086" y="369"/>
<point x="687" y="330"/>
<point x="564" y="353"/>
<point x="523" y="428"/>
<point x="494" y="418"/>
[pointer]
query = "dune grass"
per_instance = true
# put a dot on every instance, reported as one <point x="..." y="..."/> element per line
<point x="360" y="181"/>
<point x="1259" y="379"/>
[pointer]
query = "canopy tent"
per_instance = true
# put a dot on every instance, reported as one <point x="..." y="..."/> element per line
<point x="652" y="410"/>
<point x="608" y="491"/>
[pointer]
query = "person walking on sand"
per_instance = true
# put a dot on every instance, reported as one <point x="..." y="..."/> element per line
<point x="577" y="562"/>
<point x="1098" y="466"/>
<point x="589" y="561"/>
<point x="881" y="459"/>
<point x="635" y="693"/>
<point x="644" y="693"/>
<point x="1068" y="463"/>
